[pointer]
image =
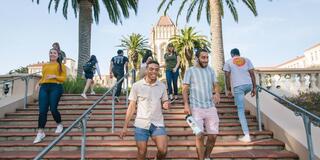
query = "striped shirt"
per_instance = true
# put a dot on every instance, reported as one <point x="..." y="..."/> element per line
<point x="201" y="81"/>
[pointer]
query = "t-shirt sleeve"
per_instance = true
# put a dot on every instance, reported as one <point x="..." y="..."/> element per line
<point x="226" y="67"/>
<point x="133" y="96"/>
<point x="250" y="66"/>
<point x="187" y="77"/>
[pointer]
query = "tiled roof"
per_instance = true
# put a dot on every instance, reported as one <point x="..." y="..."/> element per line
<point x="317" y="45"/>
<point x="292" y="60"/>
<point x="165" y="21"/>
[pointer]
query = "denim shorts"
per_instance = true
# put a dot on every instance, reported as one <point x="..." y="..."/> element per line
<point x="141" y="134"/>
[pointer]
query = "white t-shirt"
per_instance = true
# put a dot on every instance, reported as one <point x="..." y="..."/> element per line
<point x="239" y="68"/>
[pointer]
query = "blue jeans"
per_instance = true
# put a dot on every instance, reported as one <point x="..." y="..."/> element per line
<point x="172" y="77"/>
<point x="141" y="134"/>
<point x="239" y="93"/>
<point x="49" y="95"/>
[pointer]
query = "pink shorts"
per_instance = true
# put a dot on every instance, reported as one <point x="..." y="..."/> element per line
<point x="207" y="118"/>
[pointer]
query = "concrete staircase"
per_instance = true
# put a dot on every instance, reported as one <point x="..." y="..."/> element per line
<point x="18" y="129"/>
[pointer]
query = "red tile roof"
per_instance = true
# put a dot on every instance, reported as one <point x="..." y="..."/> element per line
<point x="317" y="45"/>
<point x="165" y="21"/>
<point x="292" y="60"/>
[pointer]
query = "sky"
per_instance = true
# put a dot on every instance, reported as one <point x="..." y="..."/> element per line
<point x="282" y="30"/>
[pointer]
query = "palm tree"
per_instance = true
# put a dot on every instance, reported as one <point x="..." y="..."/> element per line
<point x="214" y="12"/>
<point x="135" y="44"/>
<point x="185" y="43"/>
<point x="115" y="8"/>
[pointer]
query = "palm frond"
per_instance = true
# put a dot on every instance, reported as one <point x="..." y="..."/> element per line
<point x="200" y="9"/>
<point x="180" y="10"/>
<point x="233" y="9"/>
<point x="190" y="9"/>
<point x="96" y="10"/>
<point x="252" y="6"/>
<point x="65" y="9"/>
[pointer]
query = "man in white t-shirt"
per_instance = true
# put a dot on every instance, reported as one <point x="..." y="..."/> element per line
<point x="239" y="70"/>
<point x="149" y="97"/>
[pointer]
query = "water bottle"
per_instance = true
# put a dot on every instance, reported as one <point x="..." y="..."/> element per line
<point x="192" y="123"/>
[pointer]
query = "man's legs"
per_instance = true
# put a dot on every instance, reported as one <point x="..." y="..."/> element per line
<point x="142" y="149"/>
<point x="200" y="146"/>
<point x="211" y="140"/>
<point x="239" y="93"/>
<point x="161" y="143"/>
<point x="141" y="136"/>
<point x="119" y="86"/>
<point x="159" y="137"/>
<point x="212" y="129"/>
<point x="197" y="114"/>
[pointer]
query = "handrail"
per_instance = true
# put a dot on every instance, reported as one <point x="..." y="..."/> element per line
<point x="26" y="80"/>
<point x="307" y="117"/>
<point x="21" y="77"/>
<point x="83" y="121"/>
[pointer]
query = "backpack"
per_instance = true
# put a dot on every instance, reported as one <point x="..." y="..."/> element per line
<point x="88" y="67"/>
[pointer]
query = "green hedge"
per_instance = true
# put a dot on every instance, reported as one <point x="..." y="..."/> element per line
<point x="76" y="86"/>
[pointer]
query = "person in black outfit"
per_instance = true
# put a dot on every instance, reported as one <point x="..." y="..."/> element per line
<point x="118" y="64"/>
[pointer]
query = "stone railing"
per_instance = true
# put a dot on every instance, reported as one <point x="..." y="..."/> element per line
<point x="286" y="81"/>
<point x="17" y="85"/>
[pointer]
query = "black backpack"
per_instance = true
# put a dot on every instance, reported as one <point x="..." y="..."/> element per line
<point x="88" y="67"/>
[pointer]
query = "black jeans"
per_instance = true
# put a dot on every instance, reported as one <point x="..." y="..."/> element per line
<point x="119" y="86"/>
<point x="49" y="95"/>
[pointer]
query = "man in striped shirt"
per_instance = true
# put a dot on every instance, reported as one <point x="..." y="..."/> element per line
<point x="199" y="81"/>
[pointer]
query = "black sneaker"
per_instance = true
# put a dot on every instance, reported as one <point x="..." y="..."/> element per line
<point x="171" y="100"/>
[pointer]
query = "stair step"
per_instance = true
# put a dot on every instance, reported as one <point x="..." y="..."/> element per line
<point x="18" y="130"/>
<point x="126" y="145"/>
<point x="256" y="154"/>
<point x="93" y="118"/>
<point x="103" y="120"/>
<point x="120" y="112"/>
<point x="107" y="127"/>
<point x="173" y="135"/>
<point x="109" y="107"/>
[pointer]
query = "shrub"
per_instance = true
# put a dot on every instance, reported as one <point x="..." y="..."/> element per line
<point x="307" y="100"/>
<point x="76" y="86"/>
<point x="221" y="82"/>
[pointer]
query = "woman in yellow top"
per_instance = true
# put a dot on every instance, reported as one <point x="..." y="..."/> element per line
<point x="53" y="75"/>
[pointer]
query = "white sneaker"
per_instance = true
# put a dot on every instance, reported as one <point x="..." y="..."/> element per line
<point x="207" y="159"/>
<point x="39" y="138"/>
<point x="245" y="138"/>
<point x="93" y="93"/>
<point x="59" y="129"/>
<point x="84" y="96"/>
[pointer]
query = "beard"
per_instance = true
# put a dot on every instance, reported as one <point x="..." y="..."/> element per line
<point x="203" y="65"/>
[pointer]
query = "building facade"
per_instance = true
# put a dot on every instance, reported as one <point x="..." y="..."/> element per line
<point x="160" y="36"/>
<point x="70" y="65"/>
<point x="309" y="59"/>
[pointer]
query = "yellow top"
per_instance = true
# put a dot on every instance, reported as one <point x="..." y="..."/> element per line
<point x="52" y="68"/>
